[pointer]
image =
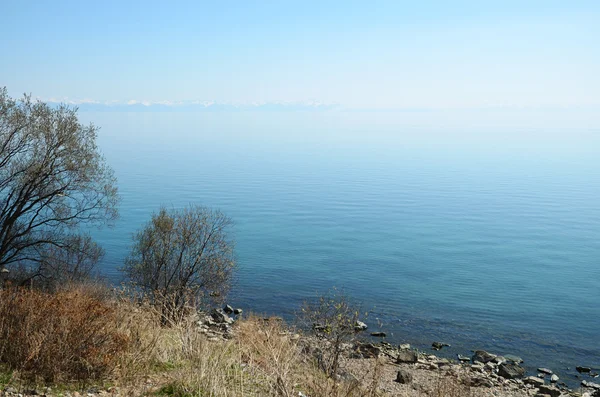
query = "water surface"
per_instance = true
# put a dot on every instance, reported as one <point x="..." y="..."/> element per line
<point x="480" y="236"/>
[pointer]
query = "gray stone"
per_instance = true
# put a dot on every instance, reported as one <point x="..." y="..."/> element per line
<point x="533" y="380"/>
<point x="591" y="385"/>
<point x="403" y="377"/>
<point x="368" y="350"/>
<point x="511" y="371"/>
<point x="238" y="311"/>
<point x="379" y="334"/>
<point x="582" y="370"/>
<point x="550" y="390"/>
<point x="360" y="326"/>
<point x="554" y="378"/>
<point x="404" y="346"/>
<point x="463" y="358"/>
<point x="482" y="356"/>
<point x="500" y="359"/>
<point x="545" y="371"/>
<point x="439" y="345"/>
<point x="221" y="317"/>
<point x="228" y="309"/>
<point x="513" y="358"/>
<point x="407" y="356"/>
<point x="482" y="382"/>
<point x="477" y="367"/>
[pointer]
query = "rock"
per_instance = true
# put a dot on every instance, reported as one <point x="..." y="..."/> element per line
<point x="404" y="346"/>
<point x="463" y="358"/>
<point x="554" y="378"/>
<point x="591" y="385"/>
<point x="407" y="356"/>
<point x="482" y="356"/>
<point x="439" y="345"/>
<point x="513" y="358"/>
<point x="550" y="390"/>
<point x="403" y="377"/>
<point x="490" y="365"/>
<point x="360" y="326"/>
<point x="237" y="311"/>
<point x="545" y="371"/>
<point x="367" y="350"/>
<point x="533" y="380"/>
<point x="479" y="381"/>
<point x="499" y="359"/>
<point x="379" y="334"/>
<point x="582" y="370"/>
<point x="228" y="309"/>
<point x="221" y="317"/>
<point x="511" y="371"/>
<point x="477" y="367"/>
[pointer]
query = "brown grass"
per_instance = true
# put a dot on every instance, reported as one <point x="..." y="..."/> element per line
<point x="69" y="335"/>
<point x="86" y="335"/>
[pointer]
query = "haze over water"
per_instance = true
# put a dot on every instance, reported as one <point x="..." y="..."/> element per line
<point x="483" y="235"/>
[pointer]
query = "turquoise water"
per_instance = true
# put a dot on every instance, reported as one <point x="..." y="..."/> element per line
<point x="481" y="237"/>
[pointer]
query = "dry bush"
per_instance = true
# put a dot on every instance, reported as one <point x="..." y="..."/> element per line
<point x="332" y="318"/>
<point x="70" y="335"/>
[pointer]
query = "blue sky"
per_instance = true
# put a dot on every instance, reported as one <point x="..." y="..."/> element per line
<point x="363" y="55"/>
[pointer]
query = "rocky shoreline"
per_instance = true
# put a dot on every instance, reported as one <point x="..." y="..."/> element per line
<point x="482" y="369"/>
<point x="402" y="369"/>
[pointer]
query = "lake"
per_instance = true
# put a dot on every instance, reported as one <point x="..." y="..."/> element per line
<point x="484" y="235"/>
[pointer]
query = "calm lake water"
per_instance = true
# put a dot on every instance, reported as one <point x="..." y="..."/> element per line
<point x="479" y="237"/>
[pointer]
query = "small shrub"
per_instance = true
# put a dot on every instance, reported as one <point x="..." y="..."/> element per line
<point x="332" y="318"/>
<point x="70" y="335"/>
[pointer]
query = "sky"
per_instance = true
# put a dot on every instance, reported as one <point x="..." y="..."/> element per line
<point x="358" y="54"/>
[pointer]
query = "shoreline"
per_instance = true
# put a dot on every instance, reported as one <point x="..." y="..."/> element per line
<point x="480" y="369"/>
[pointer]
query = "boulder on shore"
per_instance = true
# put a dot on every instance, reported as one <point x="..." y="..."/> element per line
<point x="403" y="377"/>
<point x="220" y="317"/>
<point x="439" y="345"/>
<point x="511" y="371"/>
<point x="533" y="380"/>
<point x="407" y="356"/>
<point x="550" y="390"/>
<point x="482" y="356"/>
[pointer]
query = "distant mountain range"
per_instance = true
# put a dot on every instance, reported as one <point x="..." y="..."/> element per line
<point x="194" y="106"/>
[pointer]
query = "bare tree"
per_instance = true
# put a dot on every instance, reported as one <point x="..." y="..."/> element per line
<point x="182" y="258"/>
<point x="52" y="180"/>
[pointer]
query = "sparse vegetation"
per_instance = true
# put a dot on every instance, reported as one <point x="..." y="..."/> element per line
<point x="183" y="258"/>
<point x="332" y="317"/>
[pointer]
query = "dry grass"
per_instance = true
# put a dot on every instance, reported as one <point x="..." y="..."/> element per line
<point x="69" y="335"/>
<point x="86" y="335"/>
<point x="263" y="359"/>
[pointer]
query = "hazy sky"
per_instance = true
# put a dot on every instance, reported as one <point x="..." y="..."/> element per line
<point x="367" y="54"/>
